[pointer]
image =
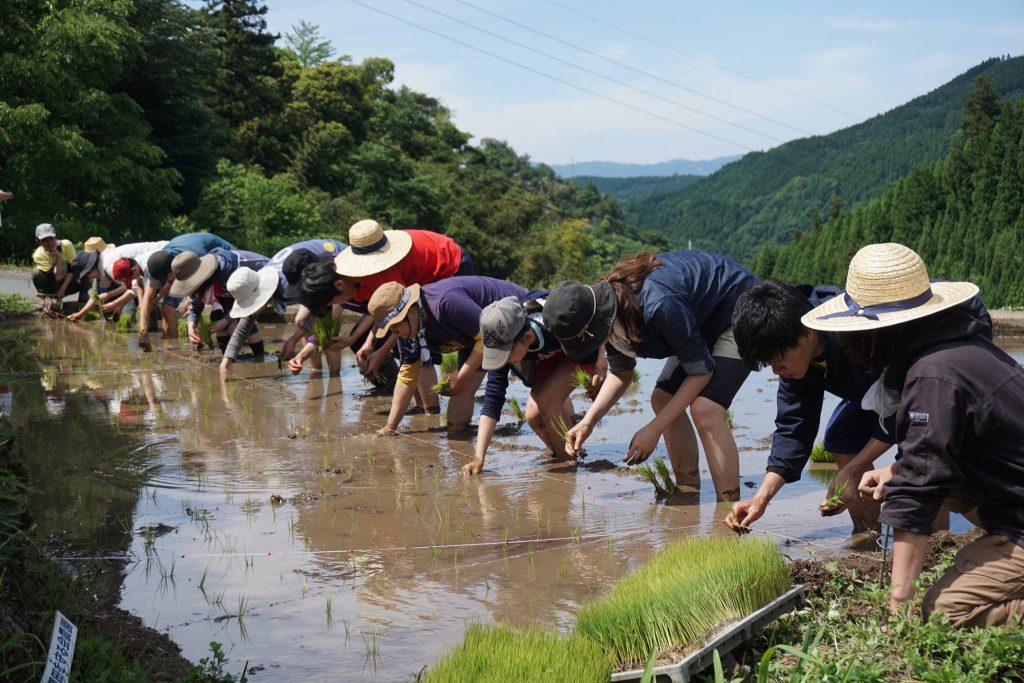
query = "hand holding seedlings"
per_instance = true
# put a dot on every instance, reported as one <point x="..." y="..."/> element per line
<point x="743" y="513"/>
<point x="562" y="431"/>
<point x="834" y="504"/>
<point x="575" y="437"/>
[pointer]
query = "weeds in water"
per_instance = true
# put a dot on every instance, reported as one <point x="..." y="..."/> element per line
<point x="371" y="641"/>
<point x="820" y="455"/>
<point x="682" y="594"/>
<point x="501" y="653"/>
<point x="329" y="608"/>
<point x="202" y="580"/>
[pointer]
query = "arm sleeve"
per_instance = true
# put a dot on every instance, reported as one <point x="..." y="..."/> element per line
<point x="932" y="412"/>
<point x="242" y="330"/>
<point x="797" y="417"/>
<point x="618" y="361"/>
<point x="494" y="393"/>
<point x="195" y="308"/>
<point x="461" y="316"/>
<point x="676" y="324"/>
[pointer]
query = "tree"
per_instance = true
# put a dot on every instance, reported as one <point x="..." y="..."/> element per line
<point x="308" y="45"/>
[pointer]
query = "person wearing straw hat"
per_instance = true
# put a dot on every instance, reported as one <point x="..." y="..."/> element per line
<point x="675" y="305"/>
<point x="112" y="294"/>
<point x="516" y="341"/>
<point x="159" y="278"/>
<point x="376" y="256"/>
<point x="252" y="290"/>
<point x="957" y="400"/>
<point x="768" y="330"/>
<point x="440" y="317"/>
<point x="51" y="276"/>
<point x="203" y="279"/>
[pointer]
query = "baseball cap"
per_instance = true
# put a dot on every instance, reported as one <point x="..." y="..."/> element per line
<point x="292" y="269"/>
<point x="500" y="324"/>
<point x="44" y="230"/>
<point x="580" y="316"/>
<point x="159" y="267"/>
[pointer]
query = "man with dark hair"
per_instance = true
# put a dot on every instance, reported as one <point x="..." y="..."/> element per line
<point x="768" y="331"/>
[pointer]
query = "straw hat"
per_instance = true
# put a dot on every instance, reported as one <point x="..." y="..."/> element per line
<point x="371" y="249"/>
<point x="390" y="304"/>
<point x="190" y="271"/>
<point x="97" y="244"/>
<point x="251" y="290"/>
<point x="886" y="284"/>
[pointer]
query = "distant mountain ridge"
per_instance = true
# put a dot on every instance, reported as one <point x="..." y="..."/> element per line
<point x="768" y="197"/>
<point x="613" y="169"/>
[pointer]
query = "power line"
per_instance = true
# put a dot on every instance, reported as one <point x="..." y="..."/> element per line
<point x="555" y="78"/>
<point x="635" y="69"/>
<point x="597" y="73"/>
<point x="707" y="61"/>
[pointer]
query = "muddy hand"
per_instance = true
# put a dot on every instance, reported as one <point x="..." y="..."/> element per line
<point x="575" y="437"/>
<point x="743" y="514"/>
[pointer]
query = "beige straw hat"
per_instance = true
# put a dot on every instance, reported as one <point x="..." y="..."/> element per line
<point x="190" y="270"/>
<point x="371" y="249"/>
<point x="886" y="284"/>
<point x="97" y="244"/>
<point x="390" y="305"/>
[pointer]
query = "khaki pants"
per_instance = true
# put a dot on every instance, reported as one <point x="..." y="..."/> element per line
<point x="984" y="587"/>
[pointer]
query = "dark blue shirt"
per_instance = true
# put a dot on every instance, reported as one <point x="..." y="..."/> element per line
<point x="687" y="304"/>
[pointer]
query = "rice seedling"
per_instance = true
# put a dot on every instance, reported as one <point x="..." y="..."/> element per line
<point x="666" y="477"/>
<point x="371" y="641"/>
<point x="683" y="593"/>
<point x="124" y="323"/>
<point x="581" y="379"/>
<point x="729" y="421"/>
<point x="449" y="366"/>
<point x="648" y="473"/>
<point x="560" y="427"/>
<point x="325" y="329"/>
<point x="203" y="331"/>
<point x="836" y="499"/>
<point x="328" y="608"/>
<point x="500" y="653"/>
<point x="820" y="455"/>
<point x="516" y="409"/>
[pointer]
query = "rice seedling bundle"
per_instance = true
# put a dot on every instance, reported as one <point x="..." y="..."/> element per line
<point x="683" y="594"/>
<point x="449" y="366"/>
<point x="666" y="476"/>
<point x="648" y="473"/>
<point x="203" y="330"/>
<point x="325" y="329"/>
<point x="820" y="455"/>
<point x="502" y="654"/>
<point x="516" y="409"/>
<point x="581" y="378"/>
<point x="836" y="499"/>
<point x="560" y="427"/>
<point x="182" y="328"/>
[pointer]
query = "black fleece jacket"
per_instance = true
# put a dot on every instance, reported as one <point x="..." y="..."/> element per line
<point x="960" y="426"/>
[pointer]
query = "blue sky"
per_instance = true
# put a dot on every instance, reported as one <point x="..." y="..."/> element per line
<point x="691" y="80"/>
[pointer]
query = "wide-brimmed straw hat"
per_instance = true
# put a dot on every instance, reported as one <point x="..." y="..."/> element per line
<point x="580" y="316"/>
<point x="390" y="304"/>
<point x="190" y="270"/>
<point x="886" y="284"/>
<point x="97" y="244"/>
<point x="251" y="290"/>
<point x="371" y="249"/>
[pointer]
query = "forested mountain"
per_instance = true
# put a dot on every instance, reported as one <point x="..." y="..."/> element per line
<point x="136" y="119"/>
<point x="613" y="169"/>
<point x="625" y="190"/>
<point x="964" y="215"/>
<point x="766" y="197"/>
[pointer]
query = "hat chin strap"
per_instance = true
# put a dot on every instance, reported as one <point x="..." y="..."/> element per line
<point x="584" y="331"/>
<point x="853" y="309"/>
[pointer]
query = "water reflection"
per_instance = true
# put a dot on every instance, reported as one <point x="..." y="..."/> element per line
<point x="264" y="515"/>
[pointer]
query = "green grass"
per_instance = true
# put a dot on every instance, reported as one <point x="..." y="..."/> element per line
<point x="502" y="654"/>
<point x="820" y="455"/>
<point x="325" y="329"/>
<point x="16" y="303"/>
<point x="683" y="593"/>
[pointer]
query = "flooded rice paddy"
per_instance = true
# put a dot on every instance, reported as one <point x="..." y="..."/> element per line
<point x="264" y="515"/>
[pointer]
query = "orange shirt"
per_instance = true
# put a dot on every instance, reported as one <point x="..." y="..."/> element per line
<point x="432" y="257"/>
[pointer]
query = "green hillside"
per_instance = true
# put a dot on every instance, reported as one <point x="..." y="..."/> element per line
<point x="964" y="214"/>
<point x="137" y="119"/>
<point x="767" y="196"/>
<point x="637" y="188"/>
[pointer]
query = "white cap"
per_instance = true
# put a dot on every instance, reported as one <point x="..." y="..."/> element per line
<point x="44" y="230"/>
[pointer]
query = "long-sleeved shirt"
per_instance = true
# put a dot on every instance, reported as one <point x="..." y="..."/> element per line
<point x="199" y="243"/>
<point x="687" y="304"/>
<point x="960" y="428"/>
<point x="451" y="315"/>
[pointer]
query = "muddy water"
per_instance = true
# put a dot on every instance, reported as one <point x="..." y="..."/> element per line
<point x="263" y="515"/>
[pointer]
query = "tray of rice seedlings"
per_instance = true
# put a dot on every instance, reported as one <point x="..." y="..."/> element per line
<point x="501" y="654"/>
<point x="325" y="329"/>
<point x="449" y="366"/>
<point x="819" y="456"/>
<point x="697" y="595"/>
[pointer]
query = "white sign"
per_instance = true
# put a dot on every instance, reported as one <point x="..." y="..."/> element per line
<point x="62" y="649"/>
